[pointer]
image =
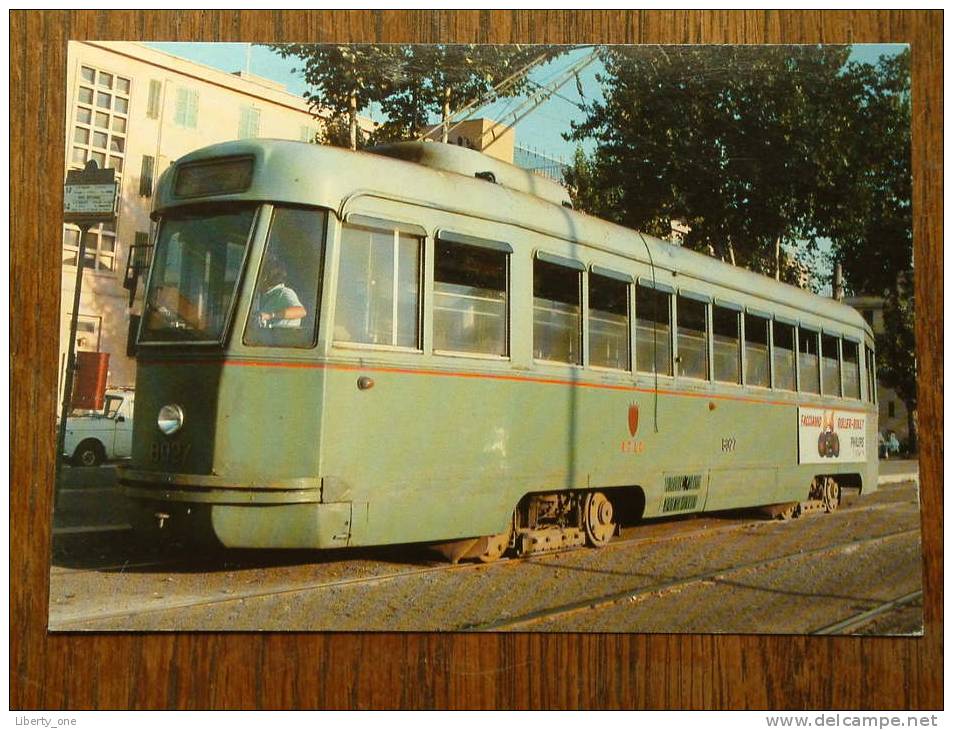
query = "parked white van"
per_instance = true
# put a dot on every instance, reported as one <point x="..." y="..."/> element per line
<point x="97" y="436"/>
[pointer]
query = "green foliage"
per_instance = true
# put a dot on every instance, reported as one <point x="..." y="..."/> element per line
<point x="343" y="80"/>
<point x="896" y="346"/>
<point x="872" y="228"/>
<point x="758" y="146"/>
<point x="413" y="84"/>
<point x="749" y="144"/>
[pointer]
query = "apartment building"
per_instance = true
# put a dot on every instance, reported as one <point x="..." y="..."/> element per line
<point x="136" y="110"/>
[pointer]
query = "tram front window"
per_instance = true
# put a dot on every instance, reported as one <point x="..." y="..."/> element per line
<point x="198" y="260"/>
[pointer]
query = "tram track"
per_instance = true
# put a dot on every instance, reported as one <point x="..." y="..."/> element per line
<point x="187" y="560"/>
<point x="864" y="617"/>
<point x="78" y="621"/>
<point x="600" y="602"/>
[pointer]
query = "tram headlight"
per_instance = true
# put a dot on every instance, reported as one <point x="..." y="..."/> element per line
<point x="170" y="419"/>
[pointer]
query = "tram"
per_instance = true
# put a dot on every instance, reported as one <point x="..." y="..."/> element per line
<point x="421" y="344"/>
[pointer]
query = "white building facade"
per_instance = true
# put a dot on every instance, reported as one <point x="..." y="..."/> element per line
<point x="136" y="110"/>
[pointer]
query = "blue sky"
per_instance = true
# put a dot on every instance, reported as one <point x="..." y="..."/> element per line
<point x="541" y="130"/>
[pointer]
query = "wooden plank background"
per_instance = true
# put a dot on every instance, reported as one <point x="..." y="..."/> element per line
<point x="209" y="670"/>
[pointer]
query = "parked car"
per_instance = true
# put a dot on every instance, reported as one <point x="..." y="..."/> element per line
<point x="97" y="436"/>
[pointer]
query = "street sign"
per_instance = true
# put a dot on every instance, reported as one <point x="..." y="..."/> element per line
<point x="89" y="195"/>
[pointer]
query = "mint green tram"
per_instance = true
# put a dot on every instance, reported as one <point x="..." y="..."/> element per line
<point x="422" y="344"/>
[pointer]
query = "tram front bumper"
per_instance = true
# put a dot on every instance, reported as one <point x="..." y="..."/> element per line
<point x="239" y="517"/>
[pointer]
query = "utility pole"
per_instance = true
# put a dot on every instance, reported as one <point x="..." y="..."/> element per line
<point x="89" y="198"/>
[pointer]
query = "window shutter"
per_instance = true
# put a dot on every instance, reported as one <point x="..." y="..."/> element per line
<point x="155" y="95"/>
<point x="186" y="108"/>
<point x="248" y="123"/>
<point x="145" y="177"/>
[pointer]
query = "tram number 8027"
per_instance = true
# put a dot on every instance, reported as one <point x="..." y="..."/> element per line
<point x="168" y="453"/>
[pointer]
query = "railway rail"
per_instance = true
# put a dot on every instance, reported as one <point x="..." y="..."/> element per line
<point x="711" y="575"/>
<point x="78" y="621"/>
<point x="864" y="617"/>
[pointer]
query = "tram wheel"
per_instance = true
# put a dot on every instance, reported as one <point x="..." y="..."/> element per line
<point x="831" y="494"/>
<point x="597" y="519"/>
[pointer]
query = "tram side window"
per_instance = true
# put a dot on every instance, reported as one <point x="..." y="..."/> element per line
<point x="784" y="357"/>
<point x="808" y="361"/>
<point x="469" y="299"/>
<point x="830" y="365"/>
<point x="378" y="293"/>
<point x="757" y="360"/>
<point x="653" y="331"/>
<point x="851" y="370"/>
<point x="608" y="322"/>
<point x="557" y="306"/>
<point x="285" y="303"/>
<point x="692" y="322"/>
<point x="726" y="339"/>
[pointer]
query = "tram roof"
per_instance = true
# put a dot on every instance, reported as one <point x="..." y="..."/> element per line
<point x="296" y="173"/>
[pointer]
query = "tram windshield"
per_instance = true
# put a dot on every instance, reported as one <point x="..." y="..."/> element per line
<point x="198" y="261"/>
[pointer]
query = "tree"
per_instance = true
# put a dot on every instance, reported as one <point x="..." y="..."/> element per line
<point x="413" y="84"/>
<point x="740" y="141"/>
<point x="897" y="353"/>
<point x="873" y="234"/>
<point x="344" y="80"/>
<point x="761" y="146"/>
<point x="438" y="80"/>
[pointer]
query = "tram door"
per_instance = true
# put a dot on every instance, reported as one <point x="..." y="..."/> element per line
<point x="743" y="434"/>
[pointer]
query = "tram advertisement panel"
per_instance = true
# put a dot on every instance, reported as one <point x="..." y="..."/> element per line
<point x="827" y="435"/>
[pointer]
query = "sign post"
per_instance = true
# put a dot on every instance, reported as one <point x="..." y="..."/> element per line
<point x="89" y="198"/>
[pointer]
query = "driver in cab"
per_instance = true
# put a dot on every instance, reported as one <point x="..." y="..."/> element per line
<point x="279" y="305"/>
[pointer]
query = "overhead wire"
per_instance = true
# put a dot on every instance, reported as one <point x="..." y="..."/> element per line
<point x="488" y="96"/>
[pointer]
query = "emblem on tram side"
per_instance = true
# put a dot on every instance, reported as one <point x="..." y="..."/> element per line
<point x="633" y="446"/>
<point x="633" y="419"/>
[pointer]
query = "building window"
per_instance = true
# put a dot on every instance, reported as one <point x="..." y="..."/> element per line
<point x="557" y="308"/>
<point x="868" y="315"/>
<point x="87" y="331"/>
<point x="469" y="299"/>
<point x="378" y="296"/>
<point x="757" y="359"/>
<point x="98" y="133"/>
<point x="145" y="176"/>
<point x="726" y="343"/>
<point x="691" y="316"/>
<point x="891" y="409"/>
<point x="608" y="322"/>
<point x="653" y="331"/>
<point x="187" y="108"/>
<point x="248" y="123"/>
<point x="100" y="254"/>
<point x="155" y="99"/>
<point x="99" y="130"/>
<point x="308" y="133"/>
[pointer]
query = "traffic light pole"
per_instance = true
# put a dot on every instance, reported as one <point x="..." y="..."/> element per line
<point x="70" y="360"/>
